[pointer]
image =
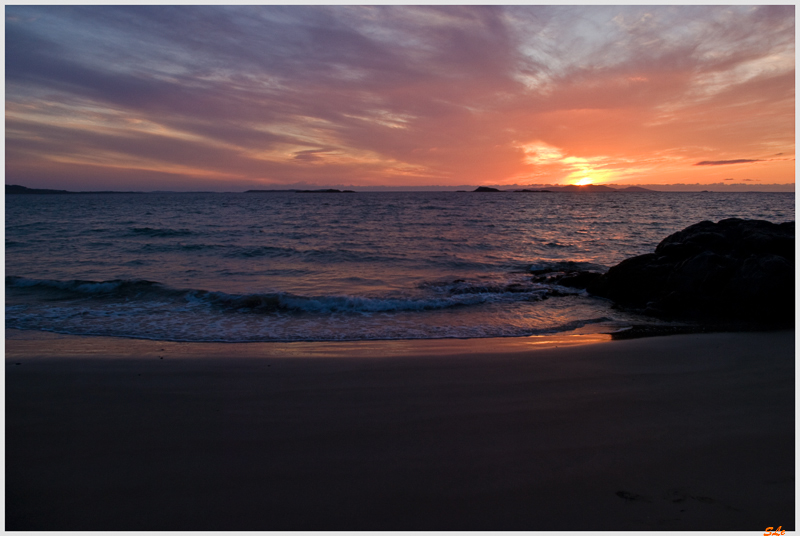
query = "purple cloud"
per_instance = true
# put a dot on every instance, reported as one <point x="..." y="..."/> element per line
<point x="726" y="162"/>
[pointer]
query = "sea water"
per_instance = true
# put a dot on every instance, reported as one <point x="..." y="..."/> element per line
<point x="291" y="266"/>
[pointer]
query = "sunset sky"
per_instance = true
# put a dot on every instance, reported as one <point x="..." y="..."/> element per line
<point x="232" y="98"/>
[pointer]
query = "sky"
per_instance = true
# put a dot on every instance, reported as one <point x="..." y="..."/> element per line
<point x="233" y="98"/>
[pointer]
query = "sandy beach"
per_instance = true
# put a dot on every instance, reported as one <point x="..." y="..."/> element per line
<point x="686" y="432"/>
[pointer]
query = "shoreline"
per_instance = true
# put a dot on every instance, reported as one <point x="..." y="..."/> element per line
<point x="353" y="348"/>
<point x="45" y="344"/>
<point x="686" y="432"/>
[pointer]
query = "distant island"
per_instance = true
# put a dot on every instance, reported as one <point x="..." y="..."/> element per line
<point x="597" y="188"/>
<point x="323" y="191"/>
<point x="571" y="188"/>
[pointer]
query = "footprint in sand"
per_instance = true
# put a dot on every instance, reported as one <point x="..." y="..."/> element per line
<point x="628" y="496"/>
<point x="679" y="496"/>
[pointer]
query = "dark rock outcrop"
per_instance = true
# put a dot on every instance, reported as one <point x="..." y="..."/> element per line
<point x="734" y="270"/>
<point x="567" y="274"/>
<point x="485" y="189"/>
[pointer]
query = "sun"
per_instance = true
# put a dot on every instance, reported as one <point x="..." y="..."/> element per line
<point x="584" y="181"/>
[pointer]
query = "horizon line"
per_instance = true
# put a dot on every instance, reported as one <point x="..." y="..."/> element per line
<point x="664" y="188"/>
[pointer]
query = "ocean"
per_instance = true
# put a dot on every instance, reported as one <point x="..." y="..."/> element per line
<point x="291" y="266"/>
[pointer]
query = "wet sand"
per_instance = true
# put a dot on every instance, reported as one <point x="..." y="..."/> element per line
<point x="687" y="432"/>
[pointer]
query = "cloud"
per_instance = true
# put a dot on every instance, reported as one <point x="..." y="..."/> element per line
<point x="410" y="94"/>
<point x="310" y="155"/>
<point x="726" y="162"/>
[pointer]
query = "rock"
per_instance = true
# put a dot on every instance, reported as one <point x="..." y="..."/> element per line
<point x="567" y="274"/>
<point x="735" y="269"/>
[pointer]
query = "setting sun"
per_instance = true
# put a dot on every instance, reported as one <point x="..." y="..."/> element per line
<point x="584" y="181"/>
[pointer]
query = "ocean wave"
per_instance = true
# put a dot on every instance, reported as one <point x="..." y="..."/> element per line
<point x="261" y="251"/>
<point x="159" y="233"/>
<point x="572" y="325"/>
<point x="327" y="304"/>
<point x="454" y="295"/>
<point x="117" y="287"/>
<point x="463" y="286"/>
<point x="339" y="255"/>
<point x="171" y="247"/>
<point x="543" y="267"/>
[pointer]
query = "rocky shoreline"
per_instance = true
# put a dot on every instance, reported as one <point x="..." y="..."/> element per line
<point x="641" y="331"/>
<point x="734" y="275"/>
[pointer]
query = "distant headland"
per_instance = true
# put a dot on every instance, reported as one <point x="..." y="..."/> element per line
<point x="17" y="189"/>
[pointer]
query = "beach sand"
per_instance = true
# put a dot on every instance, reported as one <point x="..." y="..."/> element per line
<point x="686" y="432"/>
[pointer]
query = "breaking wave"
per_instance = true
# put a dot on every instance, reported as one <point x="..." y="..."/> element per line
<point x="445" y="295"/>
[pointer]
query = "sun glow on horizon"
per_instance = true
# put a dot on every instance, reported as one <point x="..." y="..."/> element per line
<point x="584" y="181"/>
